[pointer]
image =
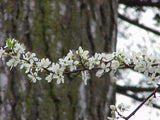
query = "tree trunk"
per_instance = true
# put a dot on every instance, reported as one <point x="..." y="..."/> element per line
<point x="50" y="28"/>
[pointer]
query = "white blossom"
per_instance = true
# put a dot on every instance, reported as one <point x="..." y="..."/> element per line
<point x="30" y="57"/>
<point x="56" y="68"/>
<point x="2" y="53"/>
<point x="99" y="73"/>
<point x="34" y="77"/>
<point x="64" y="62"/>
<point x="70" y="55"/>
<point x="107" y="57"/>
<point x="81" y="61"/>
<point x="73" y="65"/>
<point x="59" y="77"/>
<point x="103" y="68"/>
<point x="83" y="53"/>
<point x="19" y="49"/>
<point x="114" y="64"/>
<point x="113" y="107"/>
<point x="50" y="77"/>
<point x="140" y="62"/>
<point x="122" y="107"/>
<point x="28" y="67"/>
<point x="44" y="63"/>
<point x="13" y="62"/>
<point x="95" y="60"/>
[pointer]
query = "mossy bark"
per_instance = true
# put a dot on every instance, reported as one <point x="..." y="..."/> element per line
<point x="50" y="28"/>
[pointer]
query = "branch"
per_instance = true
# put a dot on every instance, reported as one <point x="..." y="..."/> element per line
<point x="140" y="3"/>
<point x="153" y="93"/>
<point x="135" y="22"/>
<point x="134" y="89"/>
<point x="124" y="92"/>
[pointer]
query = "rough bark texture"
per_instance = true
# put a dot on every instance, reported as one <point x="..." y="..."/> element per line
<point x="50" y="28"/>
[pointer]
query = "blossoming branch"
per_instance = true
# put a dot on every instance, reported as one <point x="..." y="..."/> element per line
<point x="80" y="61"/>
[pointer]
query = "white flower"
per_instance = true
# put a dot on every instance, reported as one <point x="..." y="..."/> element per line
<point x="85" y="76"/>
<point x="65" y="62"/>
<point x="19" y="49"/>
<point x="49" y="78"/>
<point x="107" y="57"/>
<point x="99" y="73"/>
<point x="94" y="60"/>
<point x="34" y="77"/>
<point x="2" y="53"/>
<point x="27" y="66"/>
<point x="68" y="62"/>
<point x="114" y="64"/>
<point x="14" y="61"/>
<point x="59" y="77"/>
<point x="104" y="68"/>
<point x="44" y="63"/>
<point x="30" y="57"/>
<point x="140" y="66"/>
<point x="70" y="55"/>
<point x="153" y="78"/>
<point x="113" y="107"/>
<point x="135" y="57"/>
<point x="122" y="107"/>
<point x="82" y="53"/>
<point x="73" y="65"/>
<point x="56" y="68"/>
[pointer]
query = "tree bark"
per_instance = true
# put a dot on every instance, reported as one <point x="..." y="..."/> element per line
<point x="50" y="28"/>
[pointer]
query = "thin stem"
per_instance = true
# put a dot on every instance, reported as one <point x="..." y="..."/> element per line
<point x="153" y="93"/>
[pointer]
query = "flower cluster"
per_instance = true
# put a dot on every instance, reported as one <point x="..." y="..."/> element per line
<point x="117" y="110"/>
<point x="78" y="61"/>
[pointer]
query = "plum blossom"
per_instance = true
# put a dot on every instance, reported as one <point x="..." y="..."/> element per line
<point x="121" y="107"/>
<point x="82" y="53"/>
<point x="94" y="60"/>
<point x="30" y="57"/>
<point x="2" y="53"/>
<point x="103" y="68"/>
<point x="80" y="61"/>
<point x="50" y="77"/>
<point x="43" y="63"/>
<point x="60" y="78"/>
<point x="107" y="57"/>
<point x="28" y="67"/>
<point x="56" y="68"/>
<point x="73" y="65"/>
<point x="13" y="62"/>
<point x="34" y="77"/>
<point x="114" y="64"/>
<point x="19" y="49"/>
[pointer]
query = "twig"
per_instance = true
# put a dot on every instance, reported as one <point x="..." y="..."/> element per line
<point x="153" y="93"/>
<point x="135" y="22"/>
<point x="140" y="3"/>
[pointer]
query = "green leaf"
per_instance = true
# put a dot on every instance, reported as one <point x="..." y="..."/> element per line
<point x="9" y="43"/>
